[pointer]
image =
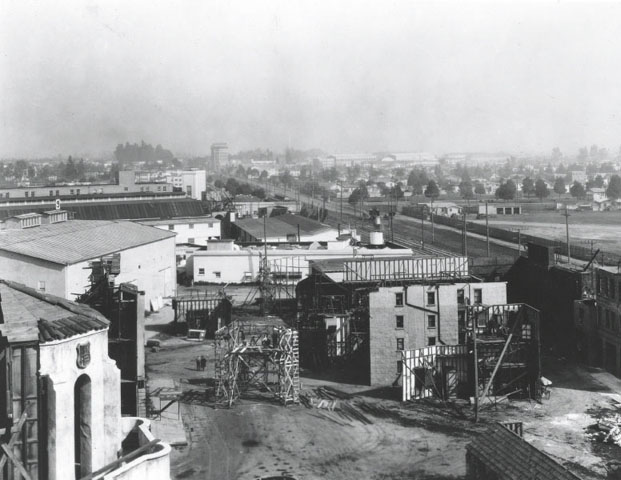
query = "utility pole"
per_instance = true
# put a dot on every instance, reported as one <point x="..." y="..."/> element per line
<point x="341" y="193"/>
<point x="487" y="226"/>
<point x="476" y="364"/>
<point x="566" y="215"/>
<point x="422" y="229"/>
<point x="433" y="233"/>
<point x="465" y="241"/>
<point x="519" y="240"/>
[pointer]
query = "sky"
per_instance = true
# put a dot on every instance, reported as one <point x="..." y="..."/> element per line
<point x="343" y="76"/>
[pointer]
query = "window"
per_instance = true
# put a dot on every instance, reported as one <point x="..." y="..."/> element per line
<point x="500" y="211"/>
<point x="218" y="274"/>
<point x="77" y="191"/>
<point x="431" y="321"/>
<point x="164" y="188"/>
<point x="399" y="366"/>
<point x="399" y="343"/>
<point x="171" y="227"/>
<point x="431" y="298"/>
<point x="399" y="321"/>
<point x="191" y="226"/>
<point x="51" y="193"/>
<point x="126" y="189"/>
<point x="71" y="191"/>
<point x="191" y="240"/>
<point x="399" y="299"/>
<point x="57" y="193"/>
<point x="210" y="225"/>
<point x="201" y="271"/>
<point x="431" y="341"/>
<point x="8" y="194"/>
<point x="159" y="189"/>
<point x="26" y="194"/>
<point x="460" y="296"/>
<point x="478" y="296"/>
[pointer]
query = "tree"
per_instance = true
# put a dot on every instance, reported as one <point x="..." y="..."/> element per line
<point x="465" y="189"/>
<point x="232" y="186"/>
<point x="577" y="190"/>
<point x="417" y="179"/>
<point x="432" y="191"/>
<point x="599" y="181"/>
<point x="559" y="186"/>
<point x="263" y="175"/>
<point x="614" y="187"/>
<point x="541" y="189"/>
<point x="218" y="183"/>
<point x="528" y="186"/>
<point x="360" y="192"/>
<point x="507" y="190"/>
<point x="479" y="188"/>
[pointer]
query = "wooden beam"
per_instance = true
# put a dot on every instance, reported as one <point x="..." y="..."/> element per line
<point x="15" y="461"/>
<point x="14" y="431"/>
<point x="502" y="354"/>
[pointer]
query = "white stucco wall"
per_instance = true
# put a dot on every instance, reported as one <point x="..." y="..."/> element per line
<point x="59" y="364"/>
<point x="31" y="271"/>
<point x="200" y="232"/>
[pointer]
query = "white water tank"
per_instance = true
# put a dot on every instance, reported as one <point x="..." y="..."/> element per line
<point x="376" y="238"/>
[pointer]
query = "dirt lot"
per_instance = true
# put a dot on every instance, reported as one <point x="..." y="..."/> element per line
<point x="602" y="228"/>
<point x="390" y="440"/>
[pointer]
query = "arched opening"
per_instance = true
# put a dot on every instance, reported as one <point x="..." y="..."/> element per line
<point x="82" y="426"/>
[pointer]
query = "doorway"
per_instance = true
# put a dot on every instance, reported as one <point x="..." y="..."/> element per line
<point x="82" y="426"/>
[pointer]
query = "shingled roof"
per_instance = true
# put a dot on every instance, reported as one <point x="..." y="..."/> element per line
<point x="513" y="458"/>
<point x="29" y="315"/>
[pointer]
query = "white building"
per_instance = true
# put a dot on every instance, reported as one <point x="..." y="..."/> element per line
<point x="225" y="262"/>
<point x="282" y="228"/>
<point x="66" y="394"/>
<point x="192" y="230"/>
<point x="192" y="182"/>
<point x="52" y="254"/>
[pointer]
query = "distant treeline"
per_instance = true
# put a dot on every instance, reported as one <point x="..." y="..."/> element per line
<point x="134" y="153"/>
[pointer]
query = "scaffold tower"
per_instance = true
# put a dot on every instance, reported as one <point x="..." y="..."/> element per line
<point x="257" y="356"/>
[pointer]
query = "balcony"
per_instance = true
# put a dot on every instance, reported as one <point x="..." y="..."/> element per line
<point x="144" y="456"/>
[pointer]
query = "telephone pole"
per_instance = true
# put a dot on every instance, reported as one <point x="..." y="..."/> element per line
<point x="487" y="226"/>
<point x="566" y="215"/>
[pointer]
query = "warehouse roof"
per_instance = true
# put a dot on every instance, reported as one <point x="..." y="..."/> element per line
<point x="29" y="315"/>
<point x="512" y="458"/>
<point x="75" y="241"/>
<point x="282" y="225"/>
<point x="181" y="221"/>
<point x="99" y="209"/>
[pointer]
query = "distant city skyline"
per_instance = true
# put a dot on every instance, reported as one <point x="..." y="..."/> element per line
<point x="353" y="76"/>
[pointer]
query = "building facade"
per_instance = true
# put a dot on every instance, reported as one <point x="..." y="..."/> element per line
<point x="189" y="230"/>
<point x="219" y="156"/>
<point x="55" y="258"/>
<point x="416" y="316"/>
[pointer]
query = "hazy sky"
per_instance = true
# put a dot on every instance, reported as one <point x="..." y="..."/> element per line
<point x="344" y="76"/>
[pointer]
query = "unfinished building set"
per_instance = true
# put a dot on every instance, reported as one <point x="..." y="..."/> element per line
<point x="423" y="323"/>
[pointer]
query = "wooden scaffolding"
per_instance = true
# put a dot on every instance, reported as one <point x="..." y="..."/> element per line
<point x="259" y="357"/>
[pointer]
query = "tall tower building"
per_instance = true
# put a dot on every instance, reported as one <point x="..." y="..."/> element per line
<point x="219" y="156"/>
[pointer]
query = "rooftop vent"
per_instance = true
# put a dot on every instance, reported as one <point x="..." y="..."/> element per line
<point x="55" y="216"/>
<point x="26" y="220"/>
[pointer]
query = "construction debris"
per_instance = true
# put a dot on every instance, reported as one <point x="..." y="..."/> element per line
<point x="607" y="430"/>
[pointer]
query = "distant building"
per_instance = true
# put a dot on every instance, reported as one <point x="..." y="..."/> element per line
<point x="415" y="159"/>
<point x="500" y="209"/>
<point x="189" y="230"/>
<point x="53" y="254"/>
<point x="442" y="209"/>
<point x="191" y="182"/>
<point x="350" y="159"/>
<point x="227" y="262"/>
<point x="127" y="184"/>
<point x="219" y="156"/>
<point x="282" y="228"/>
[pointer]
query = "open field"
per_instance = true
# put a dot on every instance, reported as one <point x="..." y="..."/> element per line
<point x="602" y="228"/>
<point x="257" y="438"/>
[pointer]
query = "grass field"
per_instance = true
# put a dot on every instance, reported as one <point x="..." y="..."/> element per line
<point x="601" y="228"/>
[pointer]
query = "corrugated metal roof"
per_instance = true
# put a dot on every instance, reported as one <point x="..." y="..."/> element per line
<point x="75" y="241"/>
<point x="513" y="458"/>
<point x="117" y="210"/>
<point x="30" y="315"/>
<point x="281" y="226"/>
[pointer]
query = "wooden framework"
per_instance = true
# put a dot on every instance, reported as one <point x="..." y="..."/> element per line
<point x="202" y="311"/>
<point x="257" y="356"/>
<point x="506" y="339"/>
